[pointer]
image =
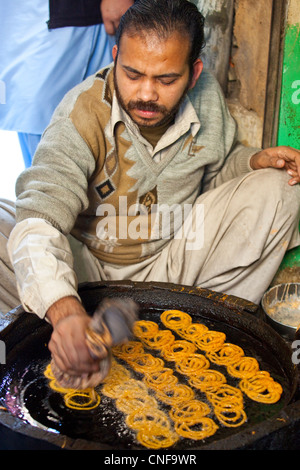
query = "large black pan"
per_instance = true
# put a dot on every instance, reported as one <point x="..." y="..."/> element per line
<point x="32" y="410"/>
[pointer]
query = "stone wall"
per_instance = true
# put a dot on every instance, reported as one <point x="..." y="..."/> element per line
<point x="248" y="72"/>
<point x="218" y="31"/>
<point x="238" y="40"/>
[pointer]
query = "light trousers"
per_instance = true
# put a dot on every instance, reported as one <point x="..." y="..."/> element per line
<point x="247" y="224"/>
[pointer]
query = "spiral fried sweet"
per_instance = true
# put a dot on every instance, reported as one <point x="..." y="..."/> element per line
<point x="261" y="387"/>
<point x="86" y="399"/>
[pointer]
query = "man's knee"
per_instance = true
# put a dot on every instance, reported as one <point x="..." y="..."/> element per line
<point x="7" y="223"/>
<point x="7" y="217"/>
<point x="8" y="289"/>
<point x="270" y="187"/>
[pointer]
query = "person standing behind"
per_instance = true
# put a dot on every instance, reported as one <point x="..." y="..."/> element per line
<point x="46" y="49"/>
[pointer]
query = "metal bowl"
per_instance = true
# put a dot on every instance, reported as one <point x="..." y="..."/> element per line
<point x="281" y="305"/>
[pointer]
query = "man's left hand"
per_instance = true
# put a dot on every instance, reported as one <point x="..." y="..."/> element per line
<point x="281" y="157"/>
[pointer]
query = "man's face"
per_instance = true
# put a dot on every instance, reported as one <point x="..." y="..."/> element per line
<point x="152" y="76"/>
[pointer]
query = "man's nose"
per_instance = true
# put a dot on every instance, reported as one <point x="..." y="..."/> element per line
<point x="147" y="91"/>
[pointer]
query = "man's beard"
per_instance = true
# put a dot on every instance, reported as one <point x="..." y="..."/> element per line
<point x="167" y="114"/>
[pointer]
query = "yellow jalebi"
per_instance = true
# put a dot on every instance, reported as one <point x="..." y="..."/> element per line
<point x="188" y="416"/>
<point x="188" y="411"/>
<point x="226" y="355"/>
<point x="176" y="320"/>
<point x="164" y="383"/>
<point x="261" y="387"/>
<point x="201" y="428"/>
<point x="208" y="380"/>
<point x="82" y="400"/>
<point x="176" y="350"/>
<point x="193" y="364"/>
<point x="243" y="368"/>
<point x="153" y="427"/>
<point x="257" y="385"/>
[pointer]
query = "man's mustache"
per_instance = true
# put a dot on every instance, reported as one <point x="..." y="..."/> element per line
<point x="146" y="106"/>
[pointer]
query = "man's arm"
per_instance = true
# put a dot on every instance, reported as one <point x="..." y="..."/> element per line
<point x="68" y="343"/>
<point x="281" y="157"/>
<point x="233" y="158"/>
<point x="50" y="196"/>
<point x="227" y="157"/>
<point x="111" y="11"/>
<point x="47" y="285"/>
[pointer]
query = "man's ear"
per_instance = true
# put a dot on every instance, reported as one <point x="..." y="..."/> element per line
<point x="197" y="70"/>
<point x="115" y="52"/>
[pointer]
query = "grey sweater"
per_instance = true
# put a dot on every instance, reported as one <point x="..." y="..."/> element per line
<point x="89" y="161"/>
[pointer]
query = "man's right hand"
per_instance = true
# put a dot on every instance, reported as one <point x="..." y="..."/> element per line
<point x="68" y="342"/>
<point x="111" y="11"/>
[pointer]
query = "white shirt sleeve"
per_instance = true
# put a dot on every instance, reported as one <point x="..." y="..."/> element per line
<point x="43" y="263"/>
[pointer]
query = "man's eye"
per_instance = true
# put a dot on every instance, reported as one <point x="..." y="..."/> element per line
<point x="167" y="81"/>
<point x="132" y="76"/>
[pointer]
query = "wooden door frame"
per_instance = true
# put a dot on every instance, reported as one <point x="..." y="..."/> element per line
<point x="274" y="79"/>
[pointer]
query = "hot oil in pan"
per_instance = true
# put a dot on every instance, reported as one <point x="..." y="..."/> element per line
<point x="256" y="412"/>
<point x="29" y="397"/>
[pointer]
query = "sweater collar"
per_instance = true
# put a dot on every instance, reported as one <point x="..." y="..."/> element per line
<point x="186" y="119"/>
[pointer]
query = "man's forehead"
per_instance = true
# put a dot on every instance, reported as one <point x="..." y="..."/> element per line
<point x="151" y="39"/>
<point x="150" y="55"/>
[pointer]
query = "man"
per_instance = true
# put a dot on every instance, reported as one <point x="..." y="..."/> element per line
<point x="151" y="131"/>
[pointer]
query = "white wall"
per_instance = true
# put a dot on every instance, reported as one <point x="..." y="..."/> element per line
<point x="11" y="163"/>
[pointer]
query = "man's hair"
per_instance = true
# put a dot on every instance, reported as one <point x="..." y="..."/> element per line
<point x="163" y="18"/>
